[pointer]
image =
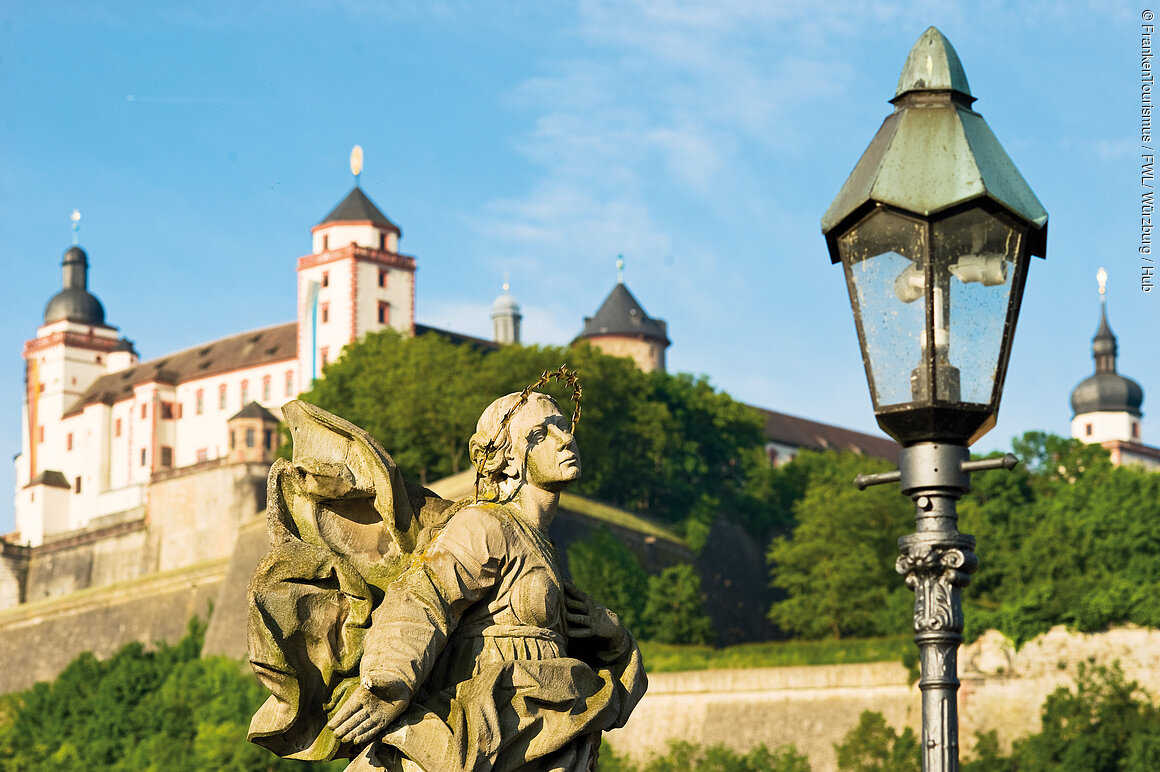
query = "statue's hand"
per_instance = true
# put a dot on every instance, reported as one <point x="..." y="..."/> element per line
<point x="588" y="619"/>
<point x="364" y="716"/>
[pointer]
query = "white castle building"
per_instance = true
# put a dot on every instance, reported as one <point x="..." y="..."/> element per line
<point x="98" y="424"/>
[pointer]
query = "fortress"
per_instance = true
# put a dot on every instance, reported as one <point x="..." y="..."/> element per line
<point x="140" y="485"/>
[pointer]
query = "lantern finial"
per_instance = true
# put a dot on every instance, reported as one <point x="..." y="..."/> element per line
<point x="933" y="65"/>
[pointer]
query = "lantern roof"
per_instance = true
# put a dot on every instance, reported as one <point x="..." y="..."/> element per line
<point x="934" y="152"/>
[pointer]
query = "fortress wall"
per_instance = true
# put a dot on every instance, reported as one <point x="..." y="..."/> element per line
<point x="195" y="511"/>
<point x="814" y="707"/>
<point x="13" y="574"/>
<point x="102" y="554"/>
<point x="44" y="636"/>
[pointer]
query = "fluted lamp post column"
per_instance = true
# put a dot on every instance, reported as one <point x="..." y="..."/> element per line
<point x="935" y="228"/>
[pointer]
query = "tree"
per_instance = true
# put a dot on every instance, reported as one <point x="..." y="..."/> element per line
<point x="607" y="570"/>
<point x="418" y="396"/>
<point x="838" y="567"/>
<point x="1067" y="539"/>
<point x="874" y="746"/>
<point x="673" y="613"/>
<point x="140" y="710"/>
<point x="670" y="446"/>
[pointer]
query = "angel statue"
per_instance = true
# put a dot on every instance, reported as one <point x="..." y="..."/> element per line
<point x="407" y="632"/>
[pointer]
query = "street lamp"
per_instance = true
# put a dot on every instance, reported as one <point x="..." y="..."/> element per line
<point x="935" y="228"/>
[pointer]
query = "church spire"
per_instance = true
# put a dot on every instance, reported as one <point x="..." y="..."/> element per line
<point x="1104" y="343"/>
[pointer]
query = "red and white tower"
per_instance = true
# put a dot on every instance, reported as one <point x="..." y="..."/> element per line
<point x="353" y="282"/>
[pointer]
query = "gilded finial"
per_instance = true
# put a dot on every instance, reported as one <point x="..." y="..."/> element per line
<point x="506" y="284"/>
<point x="620" y="269"/>
<point x="1102" y="278"/>
<point x="76" y="224"/>
<point x="356" y="162"/>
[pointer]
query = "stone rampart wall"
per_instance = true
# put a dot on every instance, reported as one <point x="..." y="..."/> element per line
<point x="46" y="635"/>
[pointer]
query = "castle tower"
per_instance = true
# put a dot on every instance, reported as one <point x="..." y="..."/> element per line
<point x="1106" y="405"/>
<point x="622" y="328"/>
<point x="70" y="351"/>
<point x="353" y="282"/>
<point x="506" y="317"/>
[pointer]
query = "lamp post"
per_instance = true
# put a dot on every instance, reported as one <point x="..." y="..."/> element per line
<point x="935" y="228"/>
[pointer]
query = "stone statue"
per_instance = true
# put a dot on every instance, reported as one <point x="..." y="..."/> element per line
<point x="410" y="633"/>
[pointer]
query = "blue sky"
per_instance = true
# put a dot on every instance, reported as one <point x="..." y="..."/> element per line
<point x="702" y="140"/>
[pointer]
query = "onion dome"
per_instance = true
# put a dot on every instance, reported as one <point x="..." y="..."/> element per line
<point x="1107" y="391"/>
<point x="74" y="302"/>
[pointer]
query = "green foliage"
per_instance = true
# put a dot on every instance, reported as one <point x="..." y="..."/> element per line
<point x="1106" y="724"/>
<point x="415" y="395"/>
<point x="688" y="757"/>
<point x="607" y="570"/>
<point x="665" y="658"/>
<point x="1067" y="539"/>
<point x="838" y="567"/>
<point x="139" y="710"/>
<point x="673" y="612"/>
<point x="667" y="445"/>
<point x="874" y="746"/>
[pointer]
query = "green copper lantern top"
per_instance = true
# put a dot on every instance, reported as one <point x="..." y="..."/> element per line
<point x="932" y="65"/>
<point x="934" y="152"/>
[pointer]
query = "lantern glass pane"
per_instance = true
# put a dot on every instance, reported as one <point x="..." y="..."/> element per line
<point x="883" y="256"/>
<point x="974" y="256"/>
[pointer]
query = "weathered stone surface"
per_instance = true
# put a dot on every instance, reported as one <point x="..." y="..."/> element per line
<point x="46" y="635"/>
<point x="392" y="626"/>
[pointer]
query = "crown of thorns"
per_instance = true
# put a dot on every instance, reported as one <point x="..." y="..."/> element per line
<point x="570" y="377"/>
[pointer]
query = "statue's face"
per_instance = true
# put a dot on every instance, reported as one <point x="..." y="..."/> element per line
<point x="541" y="439"/>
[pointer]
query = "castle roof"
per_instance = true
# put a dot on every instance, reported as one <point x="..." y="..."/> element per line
<point x="622" y="314"/>
<point x="247" y="349"/>
<point x="804" y="433"/>
<point x="254" y="410"/>
<point x="357" y="207"/>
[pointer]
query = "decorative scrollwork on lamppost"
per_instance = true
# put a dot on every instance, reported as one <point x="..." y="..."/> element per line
<point x="935" y="228"/>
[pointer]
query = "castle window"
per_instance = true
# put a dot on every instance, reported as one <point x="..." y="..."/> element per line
<point x="222" y="397"/>
<point x="266" y="388"/>
<point x="384" y="313"/>
<point x="325" y="313"/>
<point x="202" y="455"/>
<point x="245" y="393"/>
<point x="166" y="456"/>
<point x="68" y="442"/>
<point x="326" y="278"/>
<point x="199" y="402"/>
<point x="117" y="428"/>
<point x="324" y="356"/>
<point x="167" y="411"/>
<point x="1087" y="430"/>
<point x="382" y="277"/>
<point x="233" y="439"/>
<point x="142" y="456"/>
<point x="325" y="241"/>
<point x="268" y="439"/>
<point x="77" y="488"/>
<point x="1135" y="430"/>
<point x="249" y="438"/>
<point x="144" y="411"/>
<point x="383" y="243"/>
<point x="289" y="383"/>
